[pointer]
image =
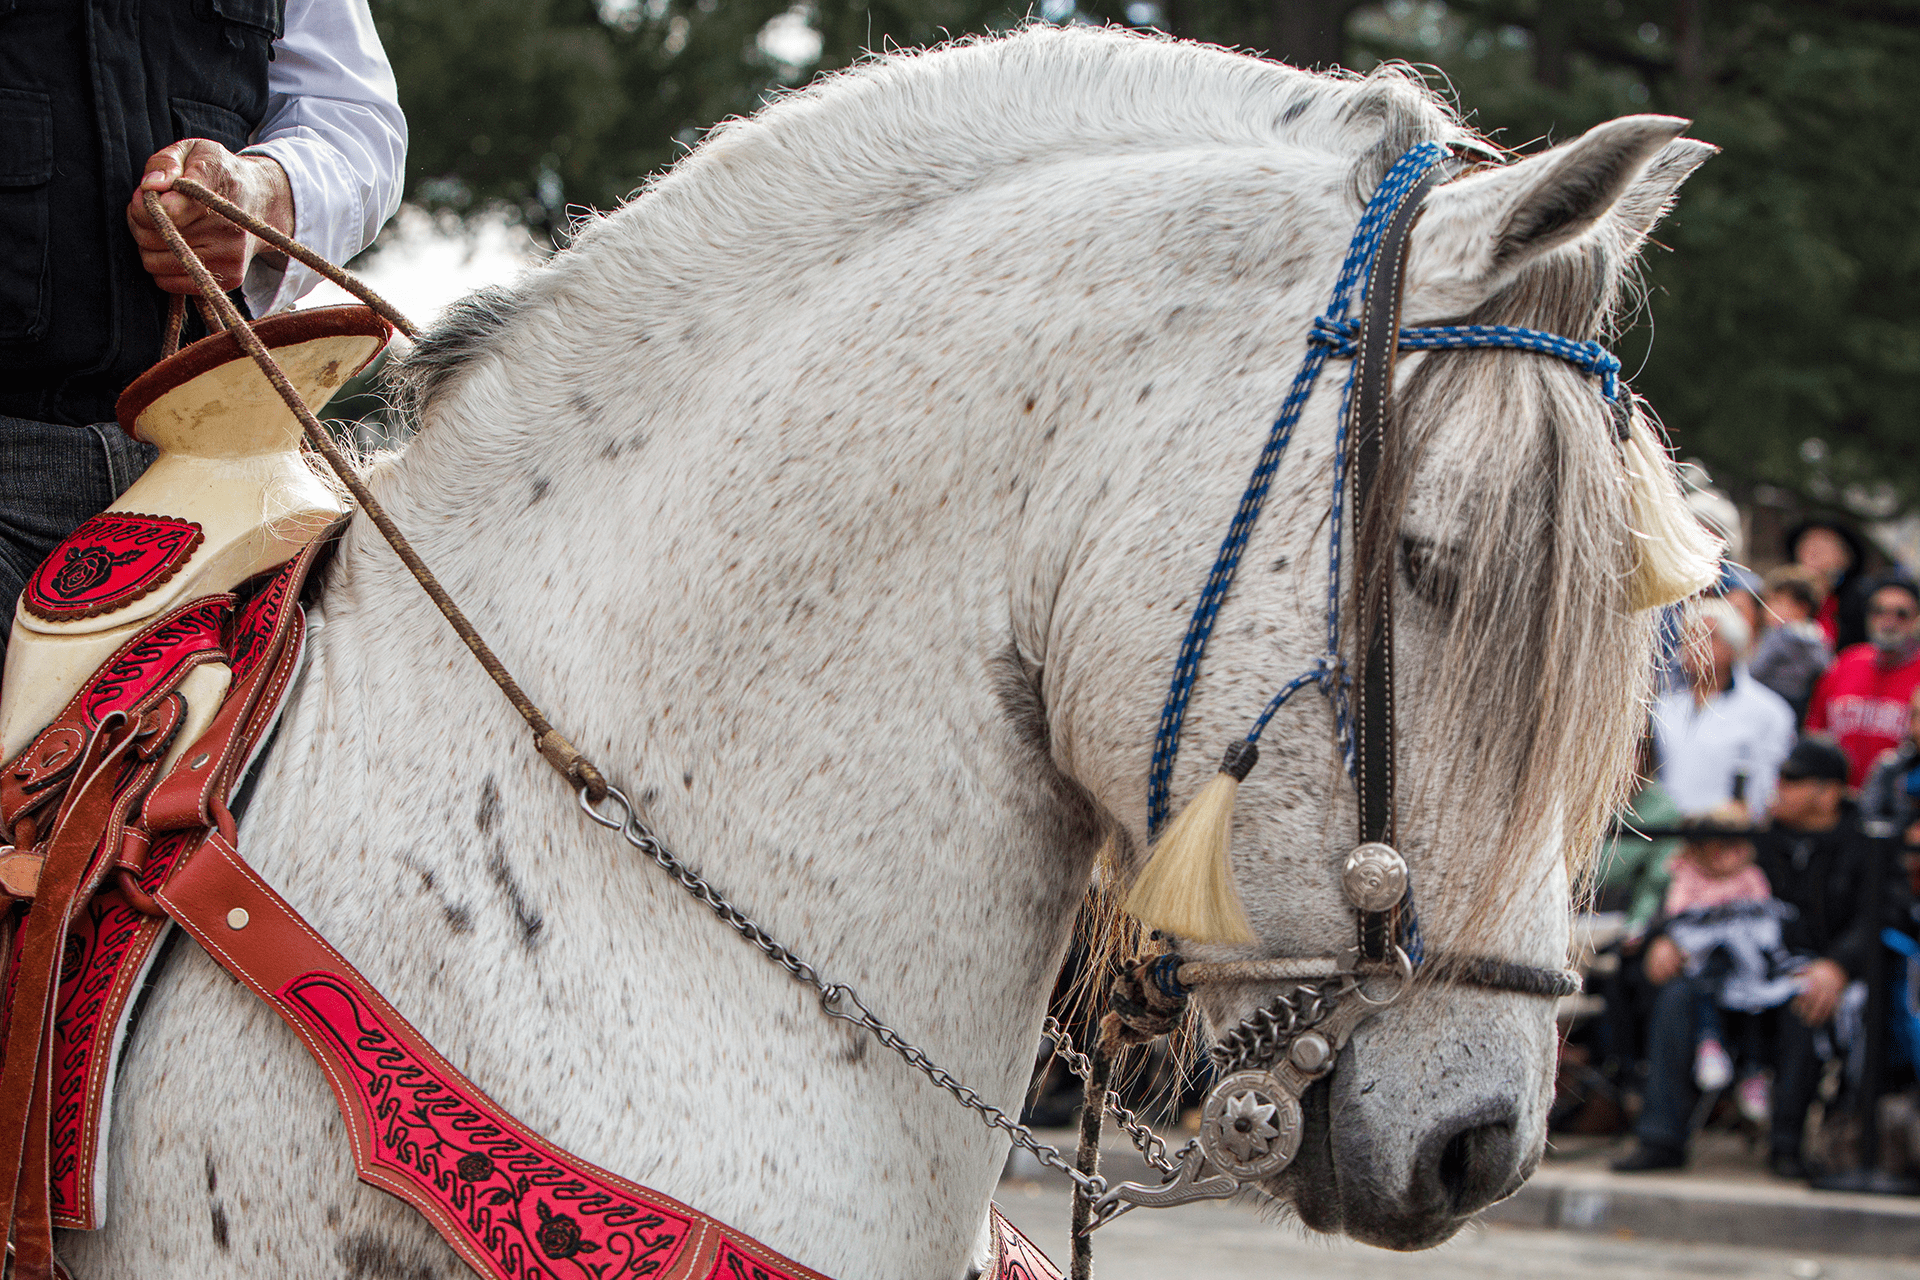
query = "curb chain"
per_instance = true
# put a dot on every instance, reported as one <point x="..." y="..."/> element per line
<point x="1270" y="1031"/>
<point x="838" y="1000"/>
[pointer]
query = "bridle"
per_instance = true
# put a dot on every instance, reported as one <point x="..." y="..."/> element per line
<point x="1251" y="1121"/>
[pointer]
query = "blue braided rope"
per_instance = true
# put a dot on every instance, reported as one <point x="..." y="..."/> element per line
<point x="1406" y="171"/>
<point x="1341" y="339"/>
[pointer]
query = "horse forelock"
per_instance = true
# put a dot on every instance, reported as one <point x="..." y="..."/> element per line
<point x="1512" y="458"/>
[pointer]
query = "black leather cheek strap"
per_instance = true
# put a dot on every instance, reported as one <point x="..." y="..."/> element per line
<point x="1374" y="559"/>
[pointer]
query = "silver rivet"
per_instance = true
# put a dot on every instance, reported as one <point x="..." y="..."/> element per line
<point x="1375" y="877"/>
<point x="237" y="918"/>
<point x="1311" y="1052"/>
<point x="196" y="763"/>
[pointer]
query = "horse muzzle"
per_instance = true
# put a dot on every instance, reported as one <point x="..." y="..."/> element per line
<point x="1406" y="1167"/>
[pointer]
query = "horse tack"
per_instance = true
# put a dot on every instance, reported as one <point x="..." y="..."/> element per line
<point x="131" y="852"/>
<point x="512" y="1205"/>
<point x="1252" y="1118"/>
<point x="369" y="1052"/>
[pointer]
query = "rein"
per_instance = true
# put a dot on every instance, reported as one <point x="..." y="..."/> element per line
<point x="1252" y="1121"/>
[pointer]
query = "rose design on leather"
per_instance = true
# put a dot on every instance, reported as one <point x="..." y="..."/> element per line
<point x="109" y="561"/>
<point x="474" y="1167"/>
<point x="85" y="569"/>
<point x="559" y="1235"/>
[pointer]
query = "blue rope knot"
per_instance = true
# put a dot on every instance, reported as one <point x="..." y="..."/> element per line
<point x="1341" y="338"/>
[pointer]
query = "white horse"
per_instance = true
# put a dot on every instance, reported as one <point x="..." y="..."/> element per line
<point x="845" y="496"/>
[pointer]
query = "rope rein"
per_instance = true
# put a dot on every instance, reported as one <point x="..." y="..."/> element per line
<point x="553" y="748"/>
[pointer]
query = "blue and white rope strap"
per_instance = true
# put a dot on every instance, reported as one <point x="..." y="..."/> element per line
<point x="1341" y="339"/>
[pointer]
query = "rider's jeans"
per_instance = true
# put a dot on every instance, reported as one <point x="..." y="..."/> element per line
<point x="51" y="478"/>
<point x="1666" y="1119"/>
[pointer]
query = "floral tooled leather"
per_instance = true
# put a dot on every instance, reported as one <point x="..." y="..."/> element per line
<point x="524" y="1208"/>
<point x="109" y="562"/>
<point x="1015" y="1257"/>
<point x="107" y="950"/>
<point x="732" y="1264"/>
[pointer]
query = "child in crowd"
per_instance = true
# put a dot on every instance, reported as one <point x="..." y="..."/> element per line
<point x="1723" y="917"/>
<point x="1794" y="652"/>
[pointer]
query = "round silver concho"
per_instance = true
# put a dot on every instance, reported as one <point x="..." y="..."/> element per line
<point x="1375" y="877"/>
<point x="1250" y="1126"/>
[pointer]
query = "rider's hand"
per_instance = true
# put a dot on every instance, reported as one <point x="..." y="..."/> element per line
<point x="1820" y="988"/>
<point x="1663" y="961"/>
<point x="256" y="183"/>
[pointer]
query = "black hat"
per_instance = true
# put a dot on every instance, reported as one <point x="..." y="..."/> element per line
<point x="1846" y="533"/>
<point x="1724" y="822"/>
<point x="1895" y="578"/>
<point x="1815" y="757"/>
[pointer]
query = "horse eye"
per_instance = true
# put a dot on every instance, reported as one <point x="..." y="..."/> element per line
<point x="1429" y="571"/>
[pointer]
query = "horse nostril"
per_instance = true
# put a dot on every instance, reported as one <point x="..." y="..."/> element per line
<point x="1468" y="1163"/>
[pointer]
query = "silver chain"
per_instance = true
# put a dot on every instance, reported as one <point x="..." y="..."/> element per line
<point x="1269" y="1031"/>
<point x="1150" y="1145"/>
<point x="837" y="999"/>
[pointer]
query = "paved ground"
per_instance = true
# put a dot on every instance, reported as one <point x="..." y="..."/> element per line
<point x="1724" y="1216"/>
<point x="1230" y="1241"/>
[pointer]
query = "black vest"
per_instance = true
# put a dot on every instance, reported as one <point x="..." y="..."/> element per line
<point x="88" y="90"/>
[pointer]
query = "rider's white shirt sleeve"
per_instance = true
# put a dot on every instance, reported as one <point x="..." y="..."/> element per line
<point x="333" y="122"/>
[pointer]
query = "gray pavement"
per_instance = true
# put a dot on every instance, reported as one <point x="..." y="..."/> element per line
<point x="1234" y="1241"/>
<point x="1724" y="1216"/>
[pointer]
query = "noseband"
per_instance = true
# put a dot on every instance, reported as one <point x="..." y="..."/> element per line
<point x="1252" y="1121"/>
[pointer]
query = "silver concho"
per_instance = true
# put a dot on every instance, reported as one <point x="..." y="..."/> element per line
<point x="1250" y="1126"/>
<point x="1375" y="877"/>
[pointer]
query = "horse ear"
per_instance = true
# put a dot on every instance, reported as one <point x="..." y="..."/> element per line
<point x="1647" y="201"/>
<point x="1480" y="231"/>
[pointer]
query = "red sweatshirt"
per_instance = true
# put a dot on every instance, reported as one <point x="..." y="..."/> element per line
<point x="1863" y="705"/>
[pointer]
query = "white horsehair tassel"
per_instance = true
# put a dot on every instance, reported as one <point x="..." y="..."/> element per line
<point x="1673" y="555"/>
<point x="1187" y="888"/>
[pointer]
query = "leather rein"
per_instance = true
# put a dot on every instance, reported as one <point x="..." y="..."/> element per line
<point x="1267" y="1061"/>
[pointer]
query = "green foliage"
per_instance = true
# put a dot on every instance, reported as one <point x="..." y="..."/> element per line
<point x="1788" y="313"/>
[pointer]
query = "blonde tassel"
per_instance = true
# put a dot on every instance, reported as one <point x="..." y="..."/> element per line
<point x="1187" y="888"/>
<point x="1673" y="555"/>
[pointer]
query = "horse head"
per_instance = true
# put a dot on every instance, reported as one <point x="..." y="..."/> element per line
<point x="1521" y="649"/>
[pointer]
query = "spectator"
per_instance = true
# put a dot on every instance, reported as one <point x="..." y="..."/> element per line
<point x="1740" y="587"/>
<point x="1816" y="861"/>
<point x="1794" y="652"/>
<point x="1722" y="916"/>
<point x="1890" y="800"/>
<point x="1834" y="553"/>
<point x="1633" y="874"/>
<point x="1722" y="737"/>
<point x="1862" y="700"/>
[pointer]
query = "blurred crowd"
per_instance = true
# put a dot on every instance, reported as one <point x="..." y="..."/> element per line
<point x="1753" y="937"/>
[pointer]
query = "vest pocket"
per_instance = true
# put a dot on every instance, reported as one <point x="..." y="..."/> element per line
<point x="26" y="168"/>
<point x="204" y="120"/>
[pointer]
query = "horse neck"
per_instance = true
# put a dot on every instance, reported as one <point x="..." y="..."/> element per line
<point x="850" y="750"/>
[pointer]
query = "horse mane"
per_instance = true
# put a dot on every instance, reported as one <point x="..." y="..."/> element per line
<point x="861" y="151"/>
